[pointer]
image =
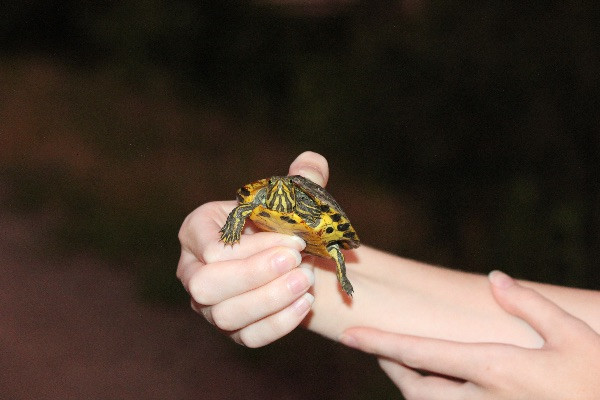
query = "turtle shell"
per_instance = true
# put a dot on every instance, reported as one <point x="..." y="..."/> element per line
<point x="297" y="206"/>
<point x="315" y="216"/>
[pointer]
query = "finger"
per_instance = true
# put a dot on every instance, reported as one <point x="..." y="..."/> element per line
<point x="203" y="225"/>
<point x="542" y="314"/>
<point x="187" y="266"/>
<point x="312" y="166"/>
<point x="467" y="361"/>
<point x="212" y="283"/>
<point x="250" y="245"/>
<point x="275" y="326"/>
<point x="416" y="386"/>
<point x="240" y="311"/>
<point x="199" y="236"/>
<point x="189" y="263"/>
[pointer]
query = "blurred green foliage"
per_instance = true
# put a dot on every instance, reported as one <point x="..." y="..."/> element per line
<point x="482" y="117"/>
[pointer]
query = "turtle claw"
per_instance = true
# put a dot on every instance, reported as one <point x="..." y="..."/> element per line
<point x="228" y="237"/>
<point x="230" y="234"/>
<point x="232" y="230"/>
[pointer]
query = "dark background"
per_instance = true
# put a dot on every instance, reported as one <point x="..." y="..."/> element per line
<point x="465" y="135"/>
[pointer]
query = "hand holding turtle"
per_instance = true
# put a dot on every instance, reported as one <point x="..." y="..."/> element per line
<point x="253" y="290"/>
<point x="565" y="367"/>
<point x="295" y="205"/>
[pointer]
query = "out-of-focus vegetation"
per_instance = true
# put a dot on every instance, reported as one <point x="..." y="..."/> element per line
<point x="466" y="135"/>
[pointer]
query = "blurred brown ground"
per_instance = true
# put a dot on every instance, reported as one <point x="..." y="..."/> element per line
<point x="73" y="327"/>
<point x="88" y="239"/>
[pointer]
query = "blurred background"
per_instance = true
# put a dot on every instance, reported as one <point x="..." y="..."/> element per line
<point x="465" y="135"/>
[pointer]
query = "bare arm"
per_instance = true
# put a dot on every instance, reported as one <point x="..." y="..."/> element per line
<point x="255" y="292"/>
<point x="565" y="367"/>
<point x="401" y="295"/>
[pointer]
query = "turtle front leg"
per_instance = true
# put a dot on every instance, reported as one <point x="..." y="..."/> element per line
<point x="231" y="231"/>
<point x="338" y="257"/>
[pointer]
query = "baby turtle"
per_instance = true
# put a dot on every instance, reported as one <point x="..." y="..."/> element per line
<point x="296" y="206"/>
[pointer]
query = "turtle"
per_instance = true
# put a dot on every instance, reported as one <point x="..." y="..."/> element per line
<point x="295" y="205"/>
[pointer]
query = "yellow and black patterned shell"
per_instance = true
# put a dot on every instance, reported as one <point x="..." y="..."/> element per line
<point x="317" y="217"/>
<point x="297" y="206"/>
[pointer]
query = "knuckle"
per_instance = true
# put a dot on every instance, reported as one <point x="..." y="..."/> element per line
<point x="180" y="270"/>
<point x="186" y="226"/>
<point x="282" y="323"/>
<point x="272" y="296"/>
<point x="184" y="269"/>
<point x="199" y="290"/>
<point x="183" y="231"/>
<point x="221" y="318"/>
<point x="192" y="221"/>
<point x="253" y="270"/>
<point x="212" y="252"/>
<point x="249" y="340"/>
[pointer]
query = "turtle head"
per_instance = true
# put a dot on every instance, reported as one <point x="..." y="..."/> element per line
<point x="281" y="194"/>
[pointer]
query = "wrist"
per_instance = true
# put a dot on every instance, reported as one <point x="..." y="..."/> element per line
<point x="404" y="296"/>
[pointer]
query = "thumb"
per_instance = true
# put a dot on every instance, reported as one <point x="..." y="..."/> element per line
<point x="312" y="166"/>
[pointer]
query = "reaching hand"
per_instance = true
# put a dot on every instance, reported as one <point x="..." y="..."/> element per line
<point x="567" y="366"/>
<point x="252" y="291"/>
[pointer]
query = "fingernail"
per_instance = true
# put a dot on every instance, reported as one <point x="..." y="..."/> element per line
<point x="303" y="304"/>
<point x="348" y="340"/>
<point x="286" y="259"/>
<point x="500" y="279"/>
<point x="298" y="241"/>
<point x="309" y="273"/>
<point x="313" y="174"/>
<point x="300" y="282"/>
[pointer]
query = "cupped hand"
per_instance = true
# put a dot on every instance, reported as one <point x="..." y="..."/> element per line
<point x="255" y="291"/>
<point x="567" y="366"/>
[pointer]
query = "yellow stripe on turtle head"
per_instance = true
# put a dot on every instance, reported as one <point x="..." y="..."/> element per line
<point x="281" y="194"/>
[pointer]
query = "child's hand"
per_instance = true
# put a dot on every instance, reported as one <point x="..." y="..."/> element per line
<point x="253" y="290"/>
<point x="567" y="366"/>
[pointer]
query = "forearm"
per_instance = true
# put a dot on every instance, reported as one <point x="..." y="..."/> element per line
<point x="400" y="295"/>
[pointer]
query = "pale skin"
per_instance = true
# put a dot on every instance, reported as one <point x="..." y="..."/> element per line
<point x="565" y="367"/>
<point x="409" y="313"/>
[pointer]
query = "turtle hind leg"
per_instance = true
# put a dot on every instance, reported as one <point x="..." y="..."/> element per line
<point x="338" y="257"/>
<point x="232" y="230"/>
